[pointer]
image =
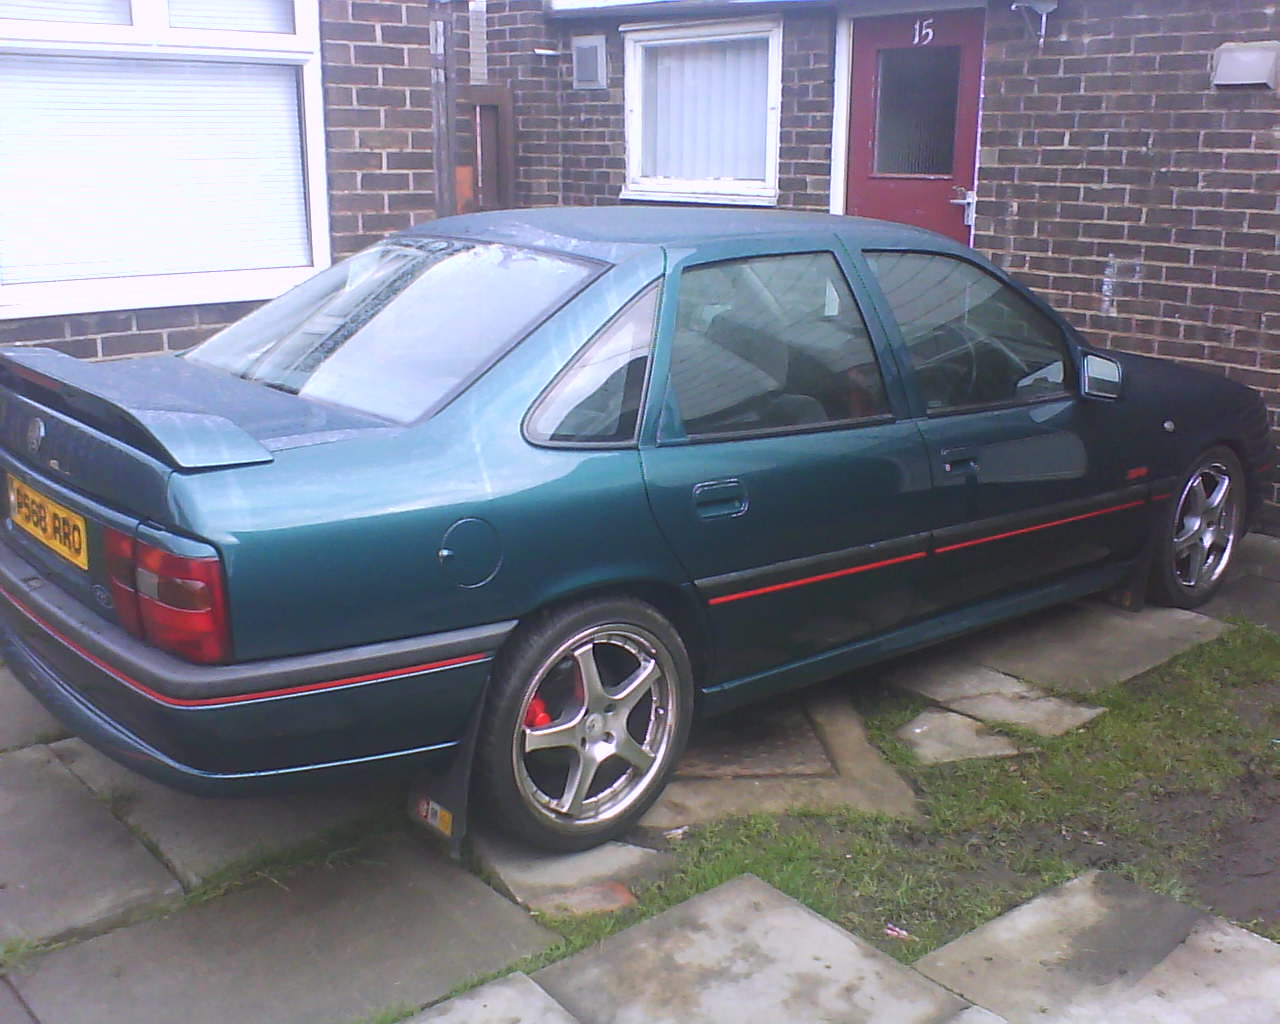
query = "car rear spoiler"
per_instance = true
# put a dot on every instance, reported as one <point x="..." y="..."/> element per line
<point x="108" y="396"/>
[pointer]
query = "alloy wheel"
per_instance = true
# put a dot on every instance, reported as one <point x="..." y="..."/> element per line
<point x="596" y="726"/>
<point x="1206" y="526"/>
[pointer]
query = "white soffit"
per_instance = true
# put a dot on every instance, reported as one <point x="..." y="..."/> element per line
<point x="856" y="9"/>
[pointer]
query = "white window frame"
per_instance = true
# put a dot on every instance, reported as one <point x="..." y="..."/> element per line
<point x="151" y="38"/>
<point x="739" y="192"/>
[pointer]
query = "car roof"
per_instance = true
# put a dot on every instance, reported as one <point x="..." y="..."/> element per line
<point x="612" y="232"/>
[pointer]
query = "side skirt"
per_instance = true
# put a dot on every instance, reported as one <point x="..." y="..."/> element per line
<point x="736" y="692"/>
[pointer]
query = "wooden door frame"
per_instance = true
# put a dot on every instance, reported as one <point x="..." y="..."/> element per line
<point x="842" y="104"/>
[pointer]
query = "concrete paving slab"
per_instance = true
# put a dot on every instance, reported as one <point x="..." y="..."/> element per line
<point x="1088" y="646"/>
<point x="67" y="867"/>
<point x="863" y="778"/>
<point x="23" y="719"/>
<point x="771" y="738"/>
<point x="936" y="736"/>
<point x="1254" y="598"/>
<point x="1100" y="949"/>
<point x="941" y="676"/>
<point x="742" y="952"/>
<point x="1045" y="716"/>
<point x="980" y="692"/>
<point x="554" y="882"/>
<point x="1259" y="554"/>
<point x="199" y="837"/>
<point x="515" y="999"/>
<point x="400" y="925"/>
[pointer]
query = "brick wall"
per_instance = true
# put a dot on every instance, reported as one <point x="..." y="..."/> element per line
<point x="1136" y="197"/>
<point x="377" y="117"/>
<point x="571" y="143"/>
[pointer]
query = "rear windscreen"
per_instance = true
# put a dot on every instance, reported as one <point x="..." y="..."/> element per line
<point x="398" y="329"/>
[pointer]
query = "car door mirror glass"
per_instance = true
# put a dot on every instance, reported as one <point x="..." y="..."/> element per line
<point x="1100" y="377"/>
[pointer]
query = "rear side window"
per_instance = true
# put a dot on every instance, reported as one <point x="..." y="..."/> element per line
<point x="771" y="342"/>
<point x="973" y="341"/>
<point x="597" y="399"/>
<point x="398" y="329"/>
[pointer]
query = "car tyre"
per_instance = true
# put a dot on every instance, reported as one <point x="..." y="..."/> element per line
<point x="1199" y="533"/>
<point x="588" y="713"/>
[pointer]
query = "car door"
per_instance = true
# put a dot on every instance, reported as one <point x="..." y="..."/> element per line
<point x="782" y="467"/>
<point x="1031" y="481"/>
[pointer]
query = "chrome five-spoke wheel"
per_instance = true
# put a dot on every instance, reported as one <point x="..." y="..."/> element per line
<point x="594" y="708"/>
<point x="1206" y="524"/>
<point x="1205" y="534"/>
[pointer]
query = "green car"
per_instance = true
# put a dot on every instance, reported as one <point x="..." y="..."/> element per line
<point x="535" y="487"/>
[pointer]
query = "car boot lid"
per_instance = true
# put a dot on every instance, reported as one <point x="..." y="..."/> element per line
<point x="187" y="415"/>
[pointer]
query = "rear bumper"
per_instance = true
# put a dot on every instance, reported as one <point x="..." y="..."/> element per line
<point x="250" y="727"/>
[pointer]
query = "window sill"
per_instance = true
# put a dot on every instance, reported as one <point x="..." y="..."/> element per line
<point x="653" y="195"/>
<point x="63" y="298"/>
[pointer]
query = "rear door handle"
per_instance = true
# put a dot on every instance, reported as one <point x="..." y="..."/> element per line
<point x="719" y="499"/>
<point x="954" y="459"/>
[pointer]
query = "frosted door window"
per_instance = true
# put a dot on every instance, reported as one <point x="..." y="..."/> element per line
<point x="916" y="110"/>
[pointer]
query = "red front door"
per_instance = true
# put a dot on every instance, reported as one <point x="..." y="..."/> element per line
<point x="913" y="124"/>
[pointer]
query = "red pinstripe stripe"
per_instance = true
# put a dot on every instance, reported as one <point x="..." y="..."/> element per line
<point x="726" y="598"/>
<point x="1039" y="526"/>
<point x="805" y="581"/>
<point x="239" y="698"/>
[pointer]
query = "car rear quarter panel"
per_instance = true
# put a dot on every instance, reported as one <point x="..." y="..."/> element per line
<point x="338" y="544"/>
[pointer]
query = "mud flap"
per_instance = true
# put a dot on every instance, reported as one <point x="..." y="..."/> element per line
<point x="438" y="801"/>
<point x="1131" y="593"/>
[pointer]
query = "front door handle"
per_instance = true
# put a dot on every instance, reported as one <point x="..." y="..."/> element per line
<point x="719" y="499"/>
<point x="967" y="198"/>
<point x="959" y="459"/>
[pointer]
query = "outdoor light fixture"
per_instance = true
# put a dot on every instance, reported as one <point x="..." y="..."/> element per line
<point x="1041" y="7"/>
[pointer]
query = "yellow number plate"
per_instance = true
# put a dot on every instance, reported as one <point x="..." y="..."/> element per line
<point x="56" y="527"/>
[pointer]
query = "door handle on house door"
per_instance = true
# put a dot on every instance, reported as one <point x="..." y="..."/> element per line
<point x="967" y="198"/>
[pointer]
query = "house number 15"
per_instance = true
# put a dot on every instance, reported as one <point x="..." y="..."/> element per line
<point x="923" y="33"/>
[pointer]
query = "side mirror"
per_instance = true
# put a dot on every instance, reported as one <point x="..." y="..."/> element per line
<point x="1100" y="377"/>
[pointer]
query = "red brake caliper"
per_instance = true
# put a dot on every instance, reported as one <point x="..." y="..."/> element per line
<point x="535" y="715"/>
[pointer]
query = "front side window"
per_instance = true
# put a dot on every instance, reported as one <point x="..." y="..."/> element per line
<point x="399" y="328"/>
<point x="973" y="341"/>
<point x="769" y="343"/>
<point x="702" y="112"/>
<point x="597" y="398"/>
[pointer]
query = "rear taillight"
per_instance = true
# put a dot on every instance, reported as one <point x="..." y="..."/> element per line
<point x="120" y="579"/>
<point x="173" y="601"/>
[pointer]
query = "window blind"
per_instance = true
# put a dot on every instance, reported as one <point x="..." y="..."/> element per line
<point x="233" y="15"/>
<point x="705" y="109"/>
<point x="95" y="12"/>
<point x="115" y="167"/>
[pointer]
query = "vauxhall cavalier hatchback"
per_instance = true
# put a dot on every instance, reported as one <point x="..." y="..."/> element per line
<point x="574" y="475"/>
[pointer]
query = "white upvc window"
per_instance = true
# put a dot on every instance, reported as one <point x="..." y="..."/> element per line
<point x="702" y="106"/>
<point x="158" y="153"/>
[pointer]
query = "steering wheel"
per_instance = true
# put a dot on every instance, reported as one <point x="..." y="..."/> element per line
<point x="961" y="374"/>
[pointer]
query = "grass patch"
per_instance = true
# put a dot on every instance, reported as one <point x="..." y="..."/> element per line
<point x="16" y="952"/>
<point x="1142" y="791"/>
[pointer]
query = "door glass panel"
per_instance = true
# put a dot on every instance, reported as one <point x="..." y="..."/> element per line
<point x="972" y="340"/>
<point x="771" y="342"/>
<point x="917" y="90"/>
